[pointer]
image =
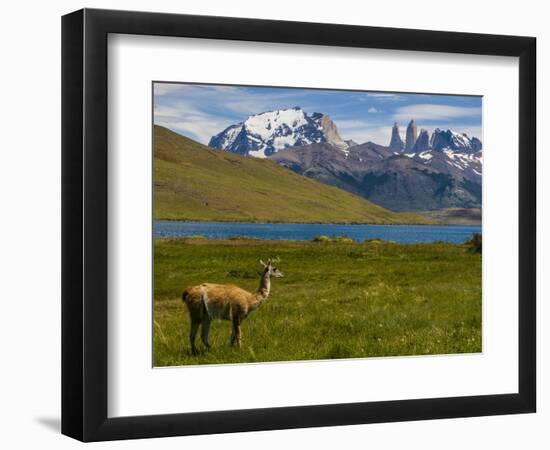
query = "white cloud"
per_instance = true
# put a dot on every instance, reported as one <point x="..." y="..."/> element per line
<point x="167" y="111"/>
<point x="383" y="96"/>
<point x="181" y="108"/>
<point x="174" y="89"/>
<point x="184" y="119"/>
<point x="435" y="112"/>
<point x="199" y="130"/>
<point x="188" y="104"/>
<point x="195" y="127"/>
<point x="165" y="88"/>
<point x="362" y="131"/>
<point x="201" y="111"/>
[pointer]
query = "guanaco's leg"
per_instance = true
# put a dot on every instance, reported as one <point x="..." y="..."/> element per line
<point x="205" y="330"/>
<point x="193" y="334"/>
<point x="236" y="335"/>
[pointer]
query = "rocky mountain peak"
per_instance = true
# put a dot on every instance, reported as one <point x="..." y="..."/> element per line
<point x="476" y="144"/>
<point x="422" y="142"/>
<point x="266" y="133"/>
<point x="396" y="143"/>
<point x="448" y="139"/>
<point x="331" y="133"/>
<point x="411" y="135"/>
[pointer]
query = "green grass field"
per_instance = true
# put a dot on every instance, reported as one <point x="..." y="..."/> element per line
<point x="337" y="300"/>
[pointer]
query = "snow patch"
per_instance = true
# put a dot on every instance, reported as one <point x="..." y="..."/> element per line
<point x="450" y="154"/>
<point x="271" y="131"/>
<point x="260" y="153"/>
<point x="265" y="124"/>
<point x="426" y="155"/>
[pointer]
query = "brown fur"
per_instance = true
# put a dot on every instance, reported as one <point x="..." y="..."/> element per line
<point x="206" y="302"/>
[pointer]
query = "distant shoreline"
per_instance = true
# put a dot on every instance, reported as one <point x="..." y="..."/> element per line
<point x="239" y="241"/>
<point x="316" y="223"/>
<point x="327" y="233"/>
<point x="454" y="216"/>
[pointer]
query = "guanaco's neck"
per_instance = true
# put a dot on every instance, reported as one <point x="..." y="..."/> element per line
<point x="265" y="287"/>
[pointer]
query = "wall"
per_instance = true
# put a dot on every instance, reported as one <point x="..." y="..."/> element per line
<point x="30" y="236"/>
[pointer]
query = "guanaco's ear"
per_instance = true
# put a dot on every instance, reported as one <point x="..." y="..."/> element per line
<point x="262" y="263"/>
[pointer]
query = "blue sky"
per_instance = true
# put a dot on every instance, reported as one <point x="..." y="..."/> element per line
<point x="201" y="111"/>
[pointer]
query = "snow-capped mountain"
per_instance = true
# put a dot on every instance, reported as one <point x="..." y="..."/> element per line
<point x="448" y="150"/>
<point x="263" y="134"/>
<point x="448" y="139"/>
<point x="438" y="170"/>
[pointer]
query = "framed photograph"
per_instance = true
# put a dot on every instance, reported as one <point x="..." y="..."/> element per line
<point x="273" y="224"/>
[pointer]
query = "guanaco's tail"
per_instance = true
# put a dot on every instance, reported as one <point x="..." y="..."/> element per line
<point x="184" y="296"/>
<point x="204" y="300"/>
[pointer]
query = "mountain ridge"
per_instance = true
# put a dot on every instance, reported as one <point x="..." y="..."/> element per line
<point x="395" y="180"/>
<point x="195" y="182"/>
<point x="440" y="170"/>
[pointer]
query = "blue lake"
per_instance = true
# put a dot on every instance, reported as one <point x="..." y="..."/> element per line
<point x="306" y="232"/>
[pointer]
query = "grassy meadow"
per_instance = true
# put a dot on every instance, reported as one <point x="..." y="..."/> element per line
<point x="336" y="300"/>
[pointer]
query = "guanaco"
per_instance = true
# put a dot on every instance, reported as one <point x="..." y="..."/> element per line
<point x="208" y="301"/>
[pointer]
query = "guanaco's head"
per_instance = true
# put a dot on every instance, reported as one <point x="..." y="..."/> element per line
<point x="271" y="269"/>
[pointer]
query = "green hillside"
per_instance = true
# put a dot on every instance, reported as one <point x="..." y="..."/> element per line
<point x="195" y="182"/>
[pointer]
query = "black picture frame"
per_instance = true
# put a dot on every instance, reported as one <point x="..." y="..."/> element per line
<point x="84" y="224"/>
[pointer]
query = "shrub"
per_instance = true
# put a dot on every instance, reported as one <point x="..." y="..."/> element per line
<point x="333" y="239"/>
<point x="321" y="239"/>
<point x="374" y="241"/>
<point x="474" y="243"/>
<point x="242" y="238"/>
<point x="342" y="240"/>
